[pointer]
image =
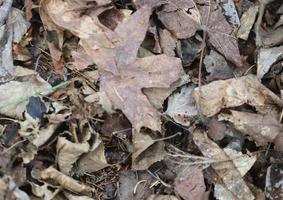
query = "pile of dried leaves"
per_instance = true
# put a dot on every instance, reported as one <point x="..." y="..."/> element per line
<point x="141" y="99"/>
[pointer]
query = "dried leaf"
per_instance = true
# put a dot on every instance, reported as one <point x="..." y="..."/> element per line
<point x="94" y="160"/>
<point x="146" y="151"/>
<point x="55" y="38"/>
<point x="65" y="181"/>
<point x="235" y="92"/>
<point x="230" y="12"/>
<point x="12" y="93"/>
<point x="190" y="184"/>
<point x="15" y="27"/>
<point x="168" y="42"/>
<point x="242" y="162"/>
<point x="68" y="153"/>
<point x="134" y="185"/>
<point x="176" y="19"/>
<point x="262" y="128"/>
<point x="156" y="96"/>
<point x="81" y="59"/>
<point x="219" y="33"/>
<point x="216" y="129"/>
<point x="228" y="172"/>
<point x="181" y="106"/>
<point x="125" y="90"/>
<point x="217" y="67"/>
<point x="161" y="197"/>
<point x="273" y="182"/>
<point x="266" y="58"/>
<point x="247" y="22"/>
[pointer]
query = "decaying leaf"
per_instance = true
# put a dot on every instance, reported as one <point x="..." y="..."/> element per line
<point x="146" y="151"/>
<point x="227" y="170"/>
<point x="189" y="183"/>
<point x="68" y="183"/>
<point x="217" y="67"/>
<point x="11" y="31"/>
<point x="220" y="36"/>
<point x="181" y="106"/>
<point x="266" y="58"/>
<point x="54" y="37"/>
<point x="261" y="128"/>
<point x="94" y="160"/>
<point x="125" y="90"/>
<point x="273" y="182"/>
<point x="134" y="185"/>
<point x="156" y="96"/>
<point x="68" y="153"/>
<point x="247" y="22"/>
<point x="216" y="129"/>
<point x="176" y="18"/>
<point x="235" y="92"/>
<point x="13" y="93"/>
<point x="81" y="59"/>
<point x="230" y="12"/>
<point x="168" y="42"/>
<point x="242" y="162"/>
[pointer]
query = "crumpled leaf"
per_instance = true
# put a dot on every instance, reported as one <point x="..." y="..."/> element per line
<point x="235" y="92"/>
<point x="10" y="189"/>
<point x="109" y="49"/>
<point x="125" y="90"/>
<point x="94" y="160"/>
<point x="227" y="170"/>
<point x="217" y="67"/>
<point x="177" y="20"/>
<point x="189" y="183"/>
<point x="13" y="93"/>
<point x="247" y="22"/>
<point x="13" y="31"/>
<point x="266" y="58"/>
<point x="64" y="181"/>
<point x="261" y="128"/>
<point x="68" y="153"/>
<point x="146" y="151"/>
<point x="273" y="182"/>
<point x="181" y="106"/>
<point x="54" y="36"/>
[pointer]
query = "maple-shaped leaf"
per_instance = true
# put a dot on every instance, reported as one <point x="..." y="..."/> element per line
<point x="125" y="90"/>
<point x="220" y="35"/>
<point x="123" y="76"/>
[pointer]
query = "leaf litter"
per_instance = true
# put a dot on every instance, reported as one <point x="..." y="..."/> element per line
<point x="141" y="99"/>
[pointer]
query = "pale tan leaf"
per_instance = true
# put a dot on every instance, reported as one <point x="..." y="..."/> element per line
<point x="146" y="151"/>
<point x="261" y="128"/>
<point x="68" y="153"/>
<point x="235" y="92"/>
<point x="65" y="181"/>
<point x="94" y="160"/>
<point x="161" y="197"/>
<point x="229" y="174"/>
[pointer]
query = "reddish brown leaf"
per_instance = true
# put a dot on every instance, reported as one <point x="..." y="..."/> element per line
<point x="190" y="184"/>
